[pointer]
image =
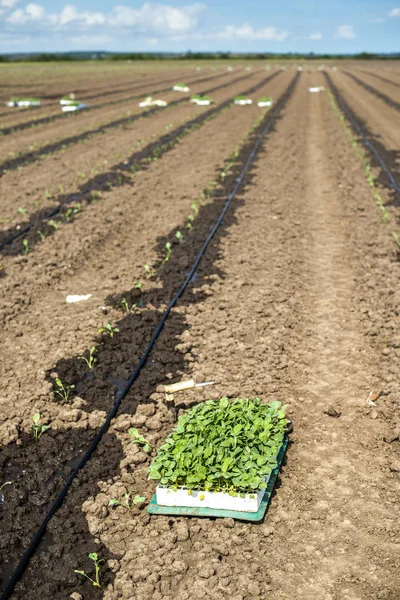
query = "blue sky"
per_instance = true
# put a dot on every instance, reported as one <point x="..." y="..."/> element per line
<point x="260" y="25"/>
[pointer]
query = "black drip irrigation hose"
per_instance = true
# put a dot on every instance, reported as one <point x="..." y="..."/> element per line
<point x="52" y="118"/>
<point x="24" y="561"/>
<point x="56" y="211"/>
<point x="372" y="90"/>
<point x="343" y="106"/>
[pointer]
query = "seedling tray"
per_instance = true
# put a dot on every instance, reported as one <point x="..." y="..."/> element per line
<point x="254" y="517"/>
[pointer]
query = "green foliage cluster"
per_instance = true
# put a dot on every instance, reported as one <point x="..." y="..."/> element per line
<point x="228" y="446"/>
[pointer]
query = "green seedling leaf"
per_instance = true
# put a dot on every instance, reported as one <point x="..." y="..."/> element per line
<point x="223" y="445"/>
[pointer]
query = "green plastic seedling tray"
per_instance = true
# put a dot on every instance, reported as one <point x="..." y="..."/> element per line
<point x="254" y="517"/>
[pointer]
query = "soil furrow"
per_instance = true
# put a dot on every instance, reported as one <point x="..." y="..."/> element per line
<point x="389" y="101"/>
<point x="378" y="129"/>
<point x="148" y="90"/>
<point x="144" y="320"/>
<point x="115" y="176"/>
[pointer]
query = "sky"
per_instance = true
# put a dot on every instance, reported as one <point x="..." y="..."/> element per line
<point x="342" y="26"/>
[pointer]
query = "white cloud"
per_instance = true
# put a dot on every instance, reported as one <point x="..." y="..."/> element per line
<point x="18" y="17"/>
<point x="345" y="32"/>
<point x="315" y="36"/>
<point x="8" y="3"/>
<point x="157" y="17"/>
<point x="35" y="11"/>
<point x="150" y="20"/>
<point x="247" y="32"/>
<point x="395" y="12"/>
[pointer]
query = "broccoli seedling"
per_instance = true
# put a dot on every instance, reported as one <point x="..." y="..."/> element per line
<point x="138" y="438"/>
<point x="37" y="428"/>
<point x="128" y="501"/>
<point x="109" y="329"/>
<point x="168" y="252"/>
<point x="25" y="244"/>
<point x="97" y="561"/>
<point x="92" y="360"/>
<point x="63" y="390"/>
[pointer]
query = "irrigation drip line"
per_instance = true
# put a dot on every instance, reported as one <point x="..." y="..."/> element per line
<point x="372" y="90"/>
<point x="343" y="106"/>
<point x="125" y="165"/>
<point x="12" y="163"/>
<point x="50" y="118"/>
<point x="23" y="563"/>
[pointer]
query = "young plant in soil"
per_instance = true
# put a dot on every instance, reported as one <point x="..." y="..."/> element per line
<point x="125" y="306"/>
<point x="97" y="562"/>
<point x="179" y="236"/>
<point x="92" y="360"/>
<point x="168" y="252"/>
<point x="26" y="249"/>
<point x="109" y="329"/>
<point x="37" y="428"/>
<point x="222" y="446"/>
<point x="149" y="272"/>
<point x="128" y="501"/>
<point x="138" y="438"/>
<point x="63" y="390"/>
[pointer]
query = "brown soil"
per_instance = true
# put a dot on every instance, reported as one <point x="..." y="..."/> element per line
<point x="296" y="299"/>
<point x="43" y="135"/>
<point x="71" y="172"/>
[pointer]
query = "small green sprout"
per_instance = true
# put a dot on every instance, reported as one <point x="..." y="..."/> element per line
<point x="195" y="207"/>
<point x="138" y="438"/>
<point x="168" y="252"/>
<point x="125" y="305"/>
<point x="109" y="329"/>
<point x="55" y="225"/>
<point x="92" y="360"/>
<point x="25" y="244"/>
<point x="63" y="390"/>
<point x="97" y="561"/>
<point x="138" y="285"/>
<point x="128" y="501"/>
<point x="41" y="235"/>
<point x="36" y="427"/>
<point x="179" y="236"/>
<point x="396" y="238"/>
<point x="22" y="211"/>
<point x="149" y="272"/>
<point x="71" y="212"/>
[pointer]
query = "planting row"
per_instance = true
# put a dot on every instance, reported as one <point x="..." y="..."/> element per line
<point x="113" y="336"/>
<point x="110" y="109"/>
<point x="13" y="125"/>
<point x="113" y="166"/>
<point x="307" y="274"/>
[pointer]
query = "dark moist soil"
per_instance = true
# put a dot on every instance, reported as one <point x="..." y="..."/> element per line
<point x="293" y="301"/>
<point x="48" y="183"/>
<point x="183" y="189"/>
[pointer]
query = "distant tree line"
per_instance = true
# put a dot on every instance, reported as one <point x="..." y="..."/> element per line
<point x="134" y="56"/>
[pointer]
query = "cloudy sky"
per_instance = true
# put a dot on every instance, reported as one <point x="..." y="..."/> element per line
<point x="174" y="25"/>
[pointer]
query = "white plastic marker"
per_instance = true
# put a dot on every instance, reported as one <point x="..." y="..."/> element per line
<point x="67" y="101"/>
<point x="73" y="107"/>
<point x="184" y="385"/>
<point x="264" y="103"/>
<point x="314" y="90"/>
<point x="150" y="102"/>
<point x="244" y="101"/>
<point x="179" y="88"/>
<point x="23" y="103"/>
<point x="71" y="298"/>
